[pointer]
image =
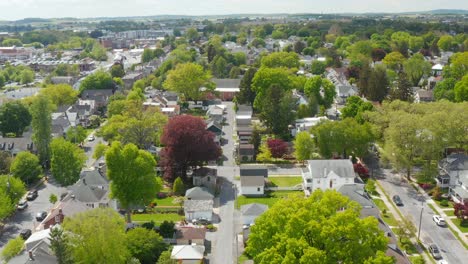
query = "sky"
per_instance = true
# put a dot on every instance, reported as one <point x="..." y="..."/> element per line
<point x="18" y="9"/>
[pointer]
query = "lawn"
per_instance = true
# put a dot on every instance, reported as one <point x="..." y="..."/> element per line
<point x="416" y="259"/>
<point x="242" y="259"/>
<point x="168" y="201"/>
<point x="449" y="213"/>
<point x="157" y="218"/>
<point x="285" y="181"/>
<point x="269" y="200"/>
<point x="463" y="228"/>
<point x="380" y="204"/>
<point x="388" y="217"/>
<point x="444" y="200"/>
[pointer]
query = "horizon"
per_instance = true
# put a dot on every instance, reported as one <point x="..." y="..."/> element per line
<point x="12" y="10"/>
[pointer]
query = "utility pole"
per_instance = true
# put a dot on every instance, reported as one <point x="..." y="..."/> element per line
<point x="420" y="218"/>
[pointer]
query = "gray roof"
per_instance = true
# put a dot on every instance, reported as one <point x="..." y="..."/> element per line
<point x="346" y="90"/>
<point x="356" y="193"/>
<point x="202" y="172"/>
<point x="461" y="192"/>
<point x="248" y="170"/>
<point x="16" y="145"/>
<point x="227" y="83"/>
<point x="322" y="168"/>
<point x="463" y="178"/>
<point x="253" y="209"/>
<point x="244" y="110"/>
<point x="99" y="95"/>
<point x="22" y="93"/>
<point x="246" y="149"/>
<point x="457" y="161"/>
<point x="252" y="181"/>
<point x="198" y="205"/>
<point x="199" y="193"/>
<point x="94" y="177"/>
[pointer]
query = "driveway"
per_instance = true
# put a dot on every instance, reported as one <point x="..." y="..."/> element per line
<point x="452" y="250"/>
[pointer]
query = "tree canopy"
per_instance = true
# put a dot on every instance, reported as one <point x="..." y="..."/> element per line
<point x="60" y="94"/>
<point x="26" y="167"/>
<point x="41" y="112"/>
<point x="14" y="118"/>
<point x="66" y="162"/>
<point x="97" y="80"/>
<point x="281" y="59"/>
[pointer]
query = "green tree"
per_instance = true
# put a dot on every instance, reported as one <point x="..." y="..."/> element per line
<point x="5" y="162"/>
<point x="179" y="187"/>
<point x="60" y="245"/>
<point x="234" y="72"/>
<point x="321" y="89"/>
<point x="11" y="191"/>
<point x="405" y="229"/>
<point x="99" y="150"/>
<point x="277" y="118"/>
<point x="303" y="146"/>
<point x="98" y="80"/>
<point x="394" y="60"/>
<point x="8" y="42"/>
<point x="461" y="90"/>
<point x="445" y="89"/>
<point x="41" y="112"/>
<point x="12" y="248"/>
<point x="403" y="90"/>
<point x="165" y="258"/>
<point x="416" y="43"/>
<point x="317" y="67"/>
<point x="97" y="236"/>
<point x="26" y="167"/>
<point x="191" y="34"/>
<point x="26" y="76"/>
<point x="458" y="67"/>
<point x="281" y="59"/>
<point x="416" y="67"/>
<point x="53" y="198"/>
<point x="145" y="245"/>
<point x="76" y="134"/>
<point x="355" y="107"/>
<point x="378" y="84"/>
<point x="60" y="94"/>
<point x="132" y="175"/>
<point x="324" y="228"/>
<point x="219" y="67"/>
<point x="187" y="79"/>
<point x="371" y="186"/>
<point x="445" y="42"/>
<point x="117" y="70"/>
<point x="66" y="162"/>
<point x="266" y="77"/>
<point x="14" y="118"/>
<point x="264" y="154"/>
<point x="246" y="94"/>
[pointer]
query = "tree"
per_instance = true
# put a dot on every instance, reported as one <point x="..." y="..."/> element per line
<point x="317" y="67"/>
<point x="191" y="34"/>
<point x="264" y="154"/>
<point x="99" y="151"/>
<point x="299" y="46"/>
<point x="303" y="146"/>
<point x="445" y="89"/>
<point x="187" y="144"/>
<point x="53" y="198"/>
<point x="12" y="248"/>
<point x="187" y="79"/>
<point x="145" y="245"/>
<point x="11" y="191"/>
<point x="5" y="162"/>
<point x="461" y="90"/>
<point x="378" y="54"/>
<point x="265" y="78"/>
<point x="405" y="229"/>
<point x="26" y="167"/>
<point x="321" y="89"/>
<point x="97" y="80"/>
<point x="14" y="118"/>
<point x="355" y="107"/>
<point x="445" y="42"/>
<point x="324" y="228"/>
<point x="403" y="90"/>
<point x="117" y="70"/>
<point x="132" y="175"/>
<point x="219" y="67"/>
<point x="458" y="66"/>
<point x="246" y="94"/>
<point x="277" y="118"/>
<point x="234" y="72"/>
<point x="416" y="43"/>
<point x="277" y="147"/>
<point x="378" y="83"/>
<point x="165" y="258"/>
<point x="97" y="236"/>
<point x="26" y="76"/>
<point x="370" y="186"/>
<point x="41" y="112"/>
<point x="461" y="211"/>
<point x="416" y="67"/>
<point x="60" y="94"/>
<point x="166" y="229"/>
<point x="179" y="187"/>
<point x="76" y="134"/>
<point x="281" y="59"/>
<point x="59" y="244"/>
<point x="66" y="162"/>
<point x="394" y="60"/>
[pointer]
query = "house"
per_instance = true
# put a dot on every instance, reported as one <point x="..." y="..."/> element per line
<point x="246" y="152"/>
<point x="93" y="190"/>
<point x="199" y="193"/>
<point x="459" y="192"/>
<point x="130" y="78"/>
<point x="17" y="145"/>
<point x="206" y="177"/>
<point x="68" y="207"/>
<point x="63" y="80"/>
<point x="60" y="124"/>
<point x="422" y="95"/>
<point x="188" y="254"/>
<point x="37" y="250"/>
<point x="214" y="127"/>
<point x="100" y="96"/>
<point x="198" y="209"/>
<point x="21" y="93"/>
<point x="453" y="173"/>
<point x="190" y="235"/>
<point x="227" y="88"/>
<point x="345" y="91"/>
<point x="82" y="112"/>
<point x="253" y="179"/>
<point x="244" y="115"/>
<point x="437" y="69"/>
<point x="215" y="113"/>
<point x="251" y="211"/>
<point x="305" y="124"/>
<point x="327" y="174"/>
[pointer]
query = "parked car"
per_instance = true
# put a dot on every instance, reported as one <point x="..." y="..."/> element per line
<point x="31" y="195"/>
<point x="397" y="200"/>
<point x="22" y="205"/>
<point x="201" y="221"/>
<point x="25" y="233"/>
<point x="91" y="138"/>
<point x="434" y="250"/>
<point x="439" y="220"/>
<point x="41" y="216"/>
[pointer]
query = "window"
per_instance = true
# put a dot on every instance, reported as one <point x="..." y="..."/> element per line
<point x="258" y="189"/>
<point x="208" y="178"/>
<point x="309" y="180"/>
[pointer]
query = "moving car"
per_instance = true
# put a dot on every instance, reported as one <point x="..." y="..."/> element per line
<point x="31" y="195"/>
<point x="439" y="220"/>
<point x="397" y="200"/>
<point x="22" y="205"/>
<point x="434" y="250"/>
<point x="25" y="233"/>
<point x="41" y="216"/>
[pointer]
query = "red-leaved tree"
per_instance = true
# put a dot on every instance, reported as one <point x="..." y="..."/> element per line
<point x="277" y="147"/>
<point x="461" y="211"/>
<point x="187" y="144"/>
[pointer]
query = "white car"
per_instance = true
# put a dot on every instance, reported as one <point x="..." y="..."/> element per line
<point x="91" y="138"/>
<point x="439" y="220"/>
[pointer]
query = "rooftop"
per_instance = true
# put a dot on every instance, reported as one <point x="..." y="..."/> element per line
<point x="198" y="205"/>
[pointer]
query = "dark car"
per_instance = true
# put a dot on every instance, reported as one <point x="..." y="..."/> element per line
<point x="41" y="216"/>
<point x="397" y="200"/>
<point x="31" y="195"/>
<point x="25" y="233"/>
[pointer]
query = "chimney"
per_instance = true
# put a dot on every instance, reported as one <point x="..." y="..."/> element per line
<point x="31" y="257"/>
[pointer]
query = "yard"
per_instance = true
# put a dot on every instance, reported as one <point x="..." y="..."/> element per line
<point x="282" y="181"/>
<point x="270" y="199"/>
<point x="463" y="228"/>
<point x="168" y="201"/>
<point x="387" y="217"/>
<point x="157" y="218"/>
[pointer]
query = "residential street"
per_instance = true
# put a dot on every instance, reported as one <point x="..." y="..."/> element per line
<point x="452" y="250"/>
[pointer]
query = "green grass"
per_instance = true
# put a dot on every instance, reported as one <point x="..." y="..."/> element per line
<point x="388" y="217"/>
<point x="450" y="204"/>
<point x="449" y="213"/>
<point x="380" y="204"/>
<point x="157" y="218"/>
<point x="408" y="246"/>
<point x="285" y="181"/>
<point x="242" y="258"/>
<point x="165" y="201"/>
<point x="269" y="200"/>
<point x="463" y="228"/>
<point x="416" y="259"/>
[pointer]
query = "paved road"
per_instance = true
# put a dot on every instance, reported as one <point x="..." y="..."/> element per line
<point x="26" y="219"/>
<point x="452" y="250"/>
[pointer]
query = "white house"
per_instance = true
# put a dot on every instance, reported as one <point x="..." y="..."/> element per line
<point x="305" y="124"/>
<point x="327" y="174"/>
<point x="198" y="209"/>
<point x="253" y="180"/>
<point x="250" y="212"/>
<point x="188" y="254"/>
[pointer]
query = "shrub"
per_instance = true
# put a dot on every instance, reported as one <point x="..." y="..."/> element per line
<point x="162" y="195"/>
<point x="277" y="147"/>
<point x="444" y="203"/>
<point x="12" y="248"/>
<point x="179" y="187"/>
<point x="148" y="225"/>
<point x="437" y="194"/>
